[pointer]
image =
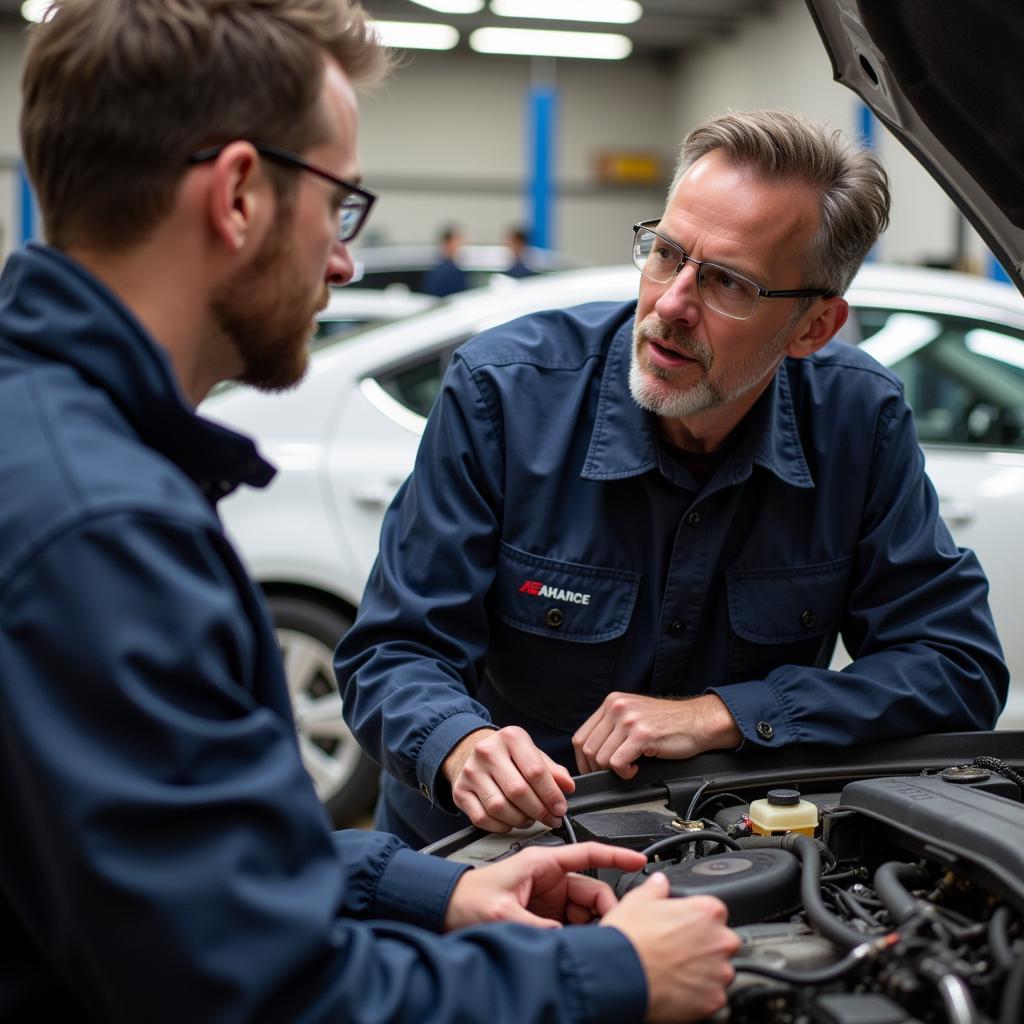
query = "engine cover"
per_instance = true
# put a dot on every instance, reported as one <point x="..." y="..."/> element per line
<point x="978" y="832"/>
<point x="756" y="885"/>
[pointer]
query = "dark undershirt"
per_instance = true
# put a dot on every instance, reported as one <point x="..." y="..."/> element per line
<point x="701" y="465"/>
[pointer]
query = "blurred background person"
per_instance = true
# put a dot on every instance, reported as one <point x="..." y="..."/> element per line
<point x="516" y="240"/>
<point x="447" y="277"/>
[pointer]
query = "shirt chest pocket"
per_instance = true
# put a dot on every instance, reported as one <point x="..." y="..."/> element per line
<point x="556" y="631"/>
<point x="785" y="616"/>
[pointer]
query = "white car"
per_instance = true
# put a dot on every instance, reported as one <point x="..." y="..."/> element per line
<point x="345" y="439"/>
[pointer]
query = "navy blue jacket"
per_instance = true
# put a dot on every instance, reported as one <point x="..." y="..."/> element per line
<point x="548" y="550"/>
<point x="163" y="855"/>
<point x="444" y="278"/>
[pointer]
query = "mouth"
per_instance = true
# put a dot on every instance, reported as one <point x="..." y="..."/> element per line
<point x="668" y="358"/>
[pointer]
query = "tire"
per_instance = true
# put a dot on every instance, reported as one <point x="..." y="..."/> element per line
<point x="344" y="777"/>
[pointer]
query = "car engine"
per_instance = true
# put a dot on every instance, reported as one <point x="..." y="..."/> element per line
<point x="886" y="899"/>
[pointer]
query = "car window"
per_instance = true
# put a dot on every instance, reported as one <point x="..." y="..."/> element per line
<point x="415" y="383"/>
<point x="964" y="378"/>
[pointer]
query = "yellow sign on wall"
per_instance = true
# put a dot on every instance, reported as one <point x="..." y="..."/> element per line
<point x="630" y="168"/>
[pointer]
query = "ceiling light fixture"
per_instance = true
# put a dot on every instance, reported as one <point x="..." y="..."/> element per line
<point x="417" y="35"/>
<point x="620" y="12"/>
<point x="37" y="10"/>
<point x="540" y="43"/>
<point x="452" y="6"/>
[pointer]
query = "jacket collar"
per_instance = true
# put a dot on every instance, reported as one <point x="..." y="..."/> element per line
<point x="624" y="441"/>
<point x="51" y="306"/>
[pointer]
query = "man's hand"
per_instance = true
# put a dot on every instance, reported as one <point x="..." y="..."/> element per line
<point x="502" y="781"/>
<point x="684" y="948"/>
<point x="538" y="887"/>
<point x="628" y="725"/>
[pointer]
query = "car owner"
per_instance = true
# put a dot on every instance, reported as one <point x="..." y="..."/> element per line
<point x="637" y="529"/>
<point x="164" y="855"/>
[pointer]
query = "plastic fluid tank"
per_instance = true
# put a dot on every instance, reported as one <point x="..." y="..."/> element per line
<point x="783" y="811"/>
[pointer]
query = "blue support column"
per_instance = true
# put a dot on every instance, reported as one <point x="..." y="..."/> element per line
<point x="26" y="206"/>
<point x="996" y="271"/>
<point x="542" y="102"/>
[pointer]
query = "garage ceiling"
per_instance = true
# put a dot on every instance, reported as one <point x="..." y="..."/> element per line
<point x="666" y="28"/>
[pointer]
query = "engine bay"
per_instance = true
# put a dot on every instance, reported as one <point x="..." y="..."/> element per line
<point x="862" y="894"/>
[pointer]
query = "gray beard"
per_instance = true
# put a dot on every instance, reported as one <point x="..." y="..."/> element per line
<point x="705" y="395"/>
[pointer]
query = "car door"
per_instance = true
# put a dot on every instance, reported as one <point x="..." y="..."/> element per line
<point x="375" y="441"/>
<point x="964" y="379"/>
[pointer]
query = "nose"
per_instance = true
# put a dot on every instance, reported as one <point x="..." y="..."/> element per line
<point x="680" y="301"/>
<point x="341" y="267"/>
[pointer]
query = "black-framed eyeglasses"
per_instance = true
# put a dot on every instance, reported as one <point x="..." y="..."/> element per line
<point x="357" y="201"/>
<point x="659" y="259"/>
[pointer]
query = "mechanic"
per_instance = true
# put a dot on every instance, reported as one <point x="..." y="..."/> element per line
<point x="446" y="277"/>
<point x="637" y="529"/>
<point x="164" y="856"/>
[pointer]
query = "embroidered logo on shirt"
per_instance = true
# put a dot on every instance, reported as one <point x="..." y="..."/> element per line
<point x="538" y="589"/>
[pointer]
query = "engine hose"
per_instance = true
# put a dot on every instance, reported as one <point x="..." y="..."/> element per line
<point x="999" y="937"/>
<point x="785" y="843"/>
<point x="956" y="998"/>
<point x="819" y="975"/>
<point x="1012" y="1003"/>
<point x="1000" y="767"/>
<point x="821" y="918"/>
<point x="893" y="882"/>
<point x="684" y="838"/>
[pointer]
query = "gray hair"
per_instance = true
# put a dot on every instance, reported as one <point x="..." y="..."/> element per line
<point x="853" y="187"/>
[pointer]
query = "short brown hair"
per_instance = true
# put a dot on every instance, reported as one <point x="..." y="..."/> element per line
<point x="852" y="186"/>
<point x="116" y="94"/>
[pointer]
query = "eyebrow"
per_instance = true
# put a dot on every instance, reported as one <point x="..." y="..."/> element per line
<point x="754" y="278"/>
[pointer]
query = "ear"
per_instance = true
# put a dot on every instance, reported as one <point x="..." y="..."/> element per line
<point x="239" y="197"/>
<point x="828" y="315"/>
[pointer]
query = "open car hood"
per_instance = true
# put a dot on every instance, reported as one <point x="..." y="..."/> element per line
<point x="947" y="78"/>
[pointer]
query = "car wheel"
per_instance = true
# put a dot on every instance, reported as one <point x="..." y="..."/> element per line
<point x="344" y="777"/>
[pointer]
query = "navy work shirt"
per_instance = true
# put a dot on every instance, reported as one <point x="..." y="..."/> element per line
<point x="164" y="856"/>
<point x="548" y="550"/>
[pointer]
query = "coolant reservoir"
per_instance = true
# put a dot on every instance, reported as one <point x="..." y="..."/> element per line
<point x="783" y="811"/>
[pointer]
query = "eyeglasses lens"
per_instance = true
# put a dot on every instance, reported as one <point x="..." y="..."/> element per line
<point x="720" y="289"/>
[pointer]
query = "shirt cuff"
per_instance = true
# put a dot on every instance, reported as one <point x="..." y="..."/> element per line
<point x="415" y="888"/>
<point x="432" y="784"/>
<point x="603" y="995"/>
<point x="760" y="715"/>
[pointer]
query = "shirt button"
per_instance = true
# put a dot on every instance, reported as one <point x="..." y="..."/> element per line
<point x="677" y="628"/>
<point x="765" y="730"/>
<point x="425" y="790"/>
<point x="808" y="619"/>
<point x="694" y="518"/>
<point x="554" y="617"/>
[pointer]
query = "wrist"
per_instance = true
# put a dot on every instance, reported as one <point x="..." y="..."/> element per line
<point x="457" y="757"/>
<point x="718" y="726"/>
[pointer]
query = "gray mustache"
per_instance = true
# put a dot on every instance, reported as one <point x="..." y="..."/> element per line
<point x="653" y="331"/>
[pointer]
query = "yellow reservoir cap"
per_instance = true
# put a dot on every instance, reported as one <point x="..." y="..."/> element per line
<point x="783" y="811"/>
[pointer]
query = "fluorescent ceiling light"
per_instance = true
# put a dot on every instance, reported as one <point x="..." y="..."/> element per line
<point x="36" y="10"/>
<point x="621" y="12"/>
<point x="452" y="6"/>
<point x="416" y="35"/>
<point x="539" y="43"/>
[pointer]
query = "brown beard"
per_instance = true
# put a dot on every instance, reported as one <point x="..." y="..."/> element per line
<point x="265" y="311"/>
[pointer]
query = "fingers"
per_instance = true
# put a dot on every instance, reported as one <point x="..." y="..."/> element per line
<point x="585" y="856"/>
<point x="507" y="782"/>
<point x="591" y="735"/>
<point x="471" y="806"/>
<point x="587" y="898"/>
<point x="513" y="912"/>
<point x="613" y="737"/>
